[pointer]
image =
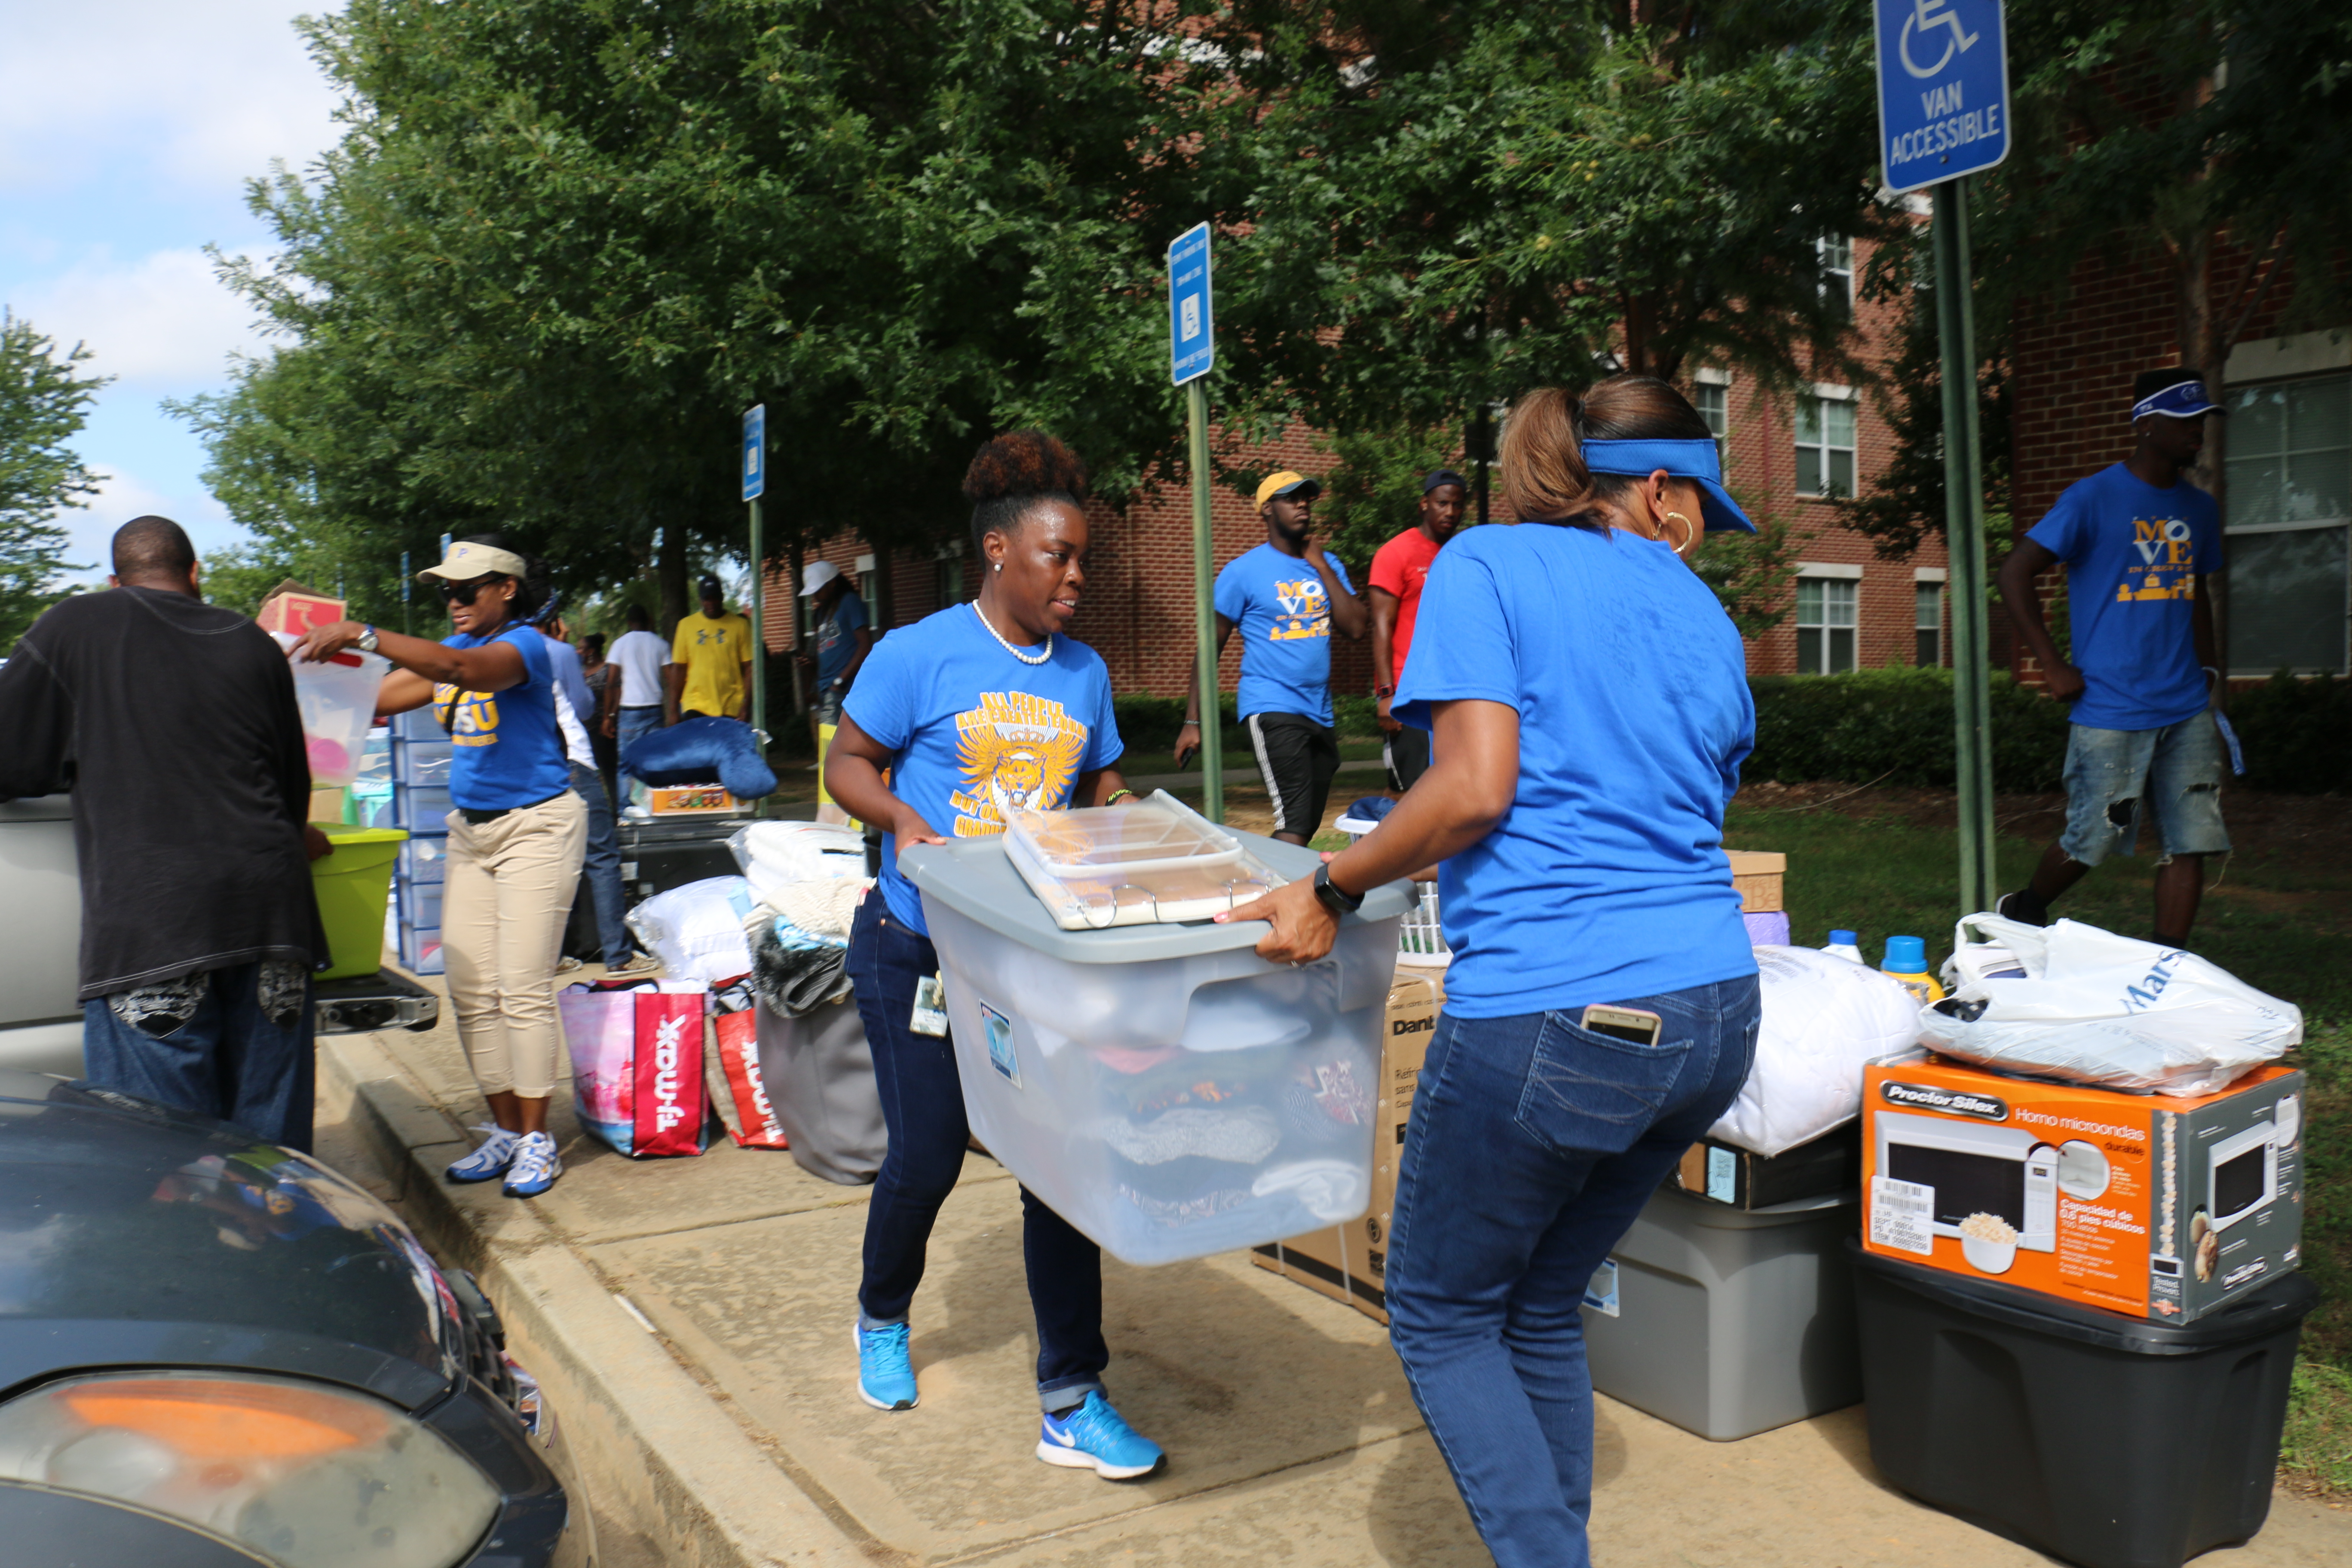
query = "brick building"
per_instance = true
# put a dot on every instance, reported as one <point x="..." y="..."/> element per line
<point x="1784" y="455"/>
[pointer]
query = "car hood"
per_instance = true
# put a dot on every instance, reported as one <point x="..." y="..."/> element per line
<point x="132" y="1234"/>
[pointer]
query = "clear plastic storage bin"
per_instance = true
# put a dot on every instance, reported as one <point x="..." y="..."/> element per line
<point x="1165" y="1089"/>
<point x="420" y="950"/>
<point x="1146" y="862"/>
<point x="421" y="809"/>
<point x="420" y="904"/>
<point x="337" y="700"/>
<point x="425" y="762"/>
<point x="423" y="860"/>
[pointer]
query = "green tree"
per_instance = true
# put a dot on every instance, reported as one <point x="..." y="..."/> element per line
<point x="43" y="402"/>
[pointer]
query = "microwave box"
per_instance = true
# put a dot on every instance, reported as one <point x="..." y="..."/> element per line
<point x="2145" y="1204"/>
<point x="1348" y="1262"/>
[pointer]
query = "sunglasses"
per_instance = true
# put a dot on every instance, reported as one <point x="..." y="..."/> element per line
<point x="463" y="593"/>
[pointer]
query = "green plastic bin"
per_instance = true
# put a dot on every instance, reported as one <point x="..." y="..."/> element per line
<point x="352" y="884"/>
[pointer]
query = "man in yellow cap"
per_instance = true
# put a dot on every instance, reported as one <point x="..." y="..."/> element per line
<point x="1285" y="595"/>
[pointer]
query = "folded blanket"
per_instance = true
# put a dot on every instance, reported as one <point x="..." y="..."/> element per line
<point x="697" y="751"/>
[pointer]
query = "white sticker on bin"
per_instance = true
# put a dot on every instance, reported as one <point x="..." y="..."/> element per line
<point x="1601" y="1290"/>
<point x="1722" y="1175"/>
<point x="1000" y="1045"/>
<point x="1902" y="1216"/>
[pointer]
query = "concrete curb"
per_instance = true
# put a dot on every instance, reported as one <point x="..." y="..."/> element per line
<point x="705" y="1489"/>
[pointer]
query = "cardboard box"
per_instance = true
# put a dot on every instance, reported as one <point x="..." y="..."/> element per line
<point x="325" y="805"/>
<point x="1348" y="1263"/>
<point x="294" y="609"/>
<point x="1725" y="1173"/>
<point x="2145" y="1204"/>
<point x="1758" y="875"/>
<point x="691" y="800"/>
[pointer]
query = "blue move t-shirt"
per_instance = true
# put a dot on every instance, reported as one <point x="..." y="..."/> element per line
<point x="1283" y="617"/>
<point x="1606" y="879"/>
<point x="836" y="640"/>
<point x="974" y="729"/>
<point x="504" y="748"/>
<point x="2133" y="556"/>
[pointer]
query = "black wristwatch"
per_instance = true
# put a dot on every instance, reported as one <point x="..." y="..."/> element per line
<point x="1332" y="896"/>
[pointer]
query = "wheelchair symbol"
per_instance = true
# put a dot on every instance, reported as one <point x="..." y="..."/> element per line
<point x="1925" y="15"/>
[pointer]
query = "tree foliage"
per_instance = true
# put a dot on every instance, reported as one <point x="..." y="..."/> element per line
<point x="43" y="402"/>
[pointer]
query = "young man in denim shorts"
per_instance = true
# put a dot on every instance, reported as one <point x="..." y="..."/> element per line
<point x="2138" y="542"/>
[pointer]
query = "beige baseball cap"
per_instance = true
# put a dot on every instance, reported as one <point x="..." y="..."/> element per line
<point x="468" y="560"/>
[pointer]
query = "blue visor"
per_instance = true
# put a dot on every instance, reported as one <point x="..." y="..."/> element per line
<point x="2182" y="400"/>
<point x="1696" y="461"/>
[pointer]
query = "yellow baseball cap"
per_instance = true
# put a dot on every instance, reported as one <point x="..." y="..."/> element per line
<point x="1286" y="483"/>
<point x="466" y="559"/>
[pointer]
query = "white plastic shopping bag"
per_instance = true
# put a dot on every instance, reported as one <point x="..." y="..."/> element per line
<point x="2084" y="1005"/>
<point x="696" y="931"/>
<point x="1825" y="1018"/>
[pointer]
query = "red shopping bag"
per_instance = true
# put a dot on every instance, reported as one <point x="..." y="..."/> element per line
<point x="738" y="1058"/>
<point x="669" y="1112"/>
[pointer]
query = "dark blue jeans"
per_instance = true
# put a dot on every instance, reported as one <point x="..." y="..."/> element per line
<point x="601" y="864"/>
<point x="237" y="1044"/>
<point x="1533" y="1143"/>
<point x="922" y="1104"/>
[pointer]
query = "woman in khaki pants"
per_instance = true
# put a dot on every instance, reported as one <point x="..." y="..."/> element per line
<point x="515" y="839"/>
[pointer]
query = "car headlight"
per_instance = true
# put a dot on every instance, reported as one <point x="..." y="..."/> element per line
<point x="306" y="1475"/>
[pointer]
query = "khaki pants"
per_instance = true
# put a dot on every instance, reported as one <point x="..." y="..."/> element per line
<point x="507" y="895"/>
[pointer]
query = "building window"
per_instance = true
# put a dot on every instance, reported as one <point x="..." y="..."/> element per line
<point x="1835" y="254"/>
<point x="1825" y="625"/>
<point x="2289" y="509"/>
<point x="1824" y="446"/>
<point x="1930" y="624"/>
<point x="1714" y="403"/>
<point x="950" y="582"/>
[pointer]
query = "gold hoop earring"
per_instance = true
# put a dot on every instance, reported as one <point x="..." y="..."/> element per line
<point x="1689" y="538"/>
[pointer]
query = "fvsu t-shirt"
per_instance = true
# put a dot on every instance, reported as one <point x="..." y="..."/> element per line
<point x="505" y="749"/>
<point x="2133" y="556"/>
<point x="1606" y="879"/>
<point x="836" y="640"/>
<point x="973" y="730"/>
<point x="1283" y="617"/>
<point x="1400" y="567"/>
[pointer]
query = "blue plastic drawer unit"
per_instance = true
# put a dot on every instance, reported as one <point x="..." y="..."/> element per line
<point x="1165" y="1089"/>
<point x="421" y="809"/>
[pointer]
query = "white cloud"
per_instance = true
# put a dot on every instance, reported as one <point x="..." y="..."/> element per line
<point x="204" y="93"/>
<point x="165" y="319"/>
<point x="90" y="528"/>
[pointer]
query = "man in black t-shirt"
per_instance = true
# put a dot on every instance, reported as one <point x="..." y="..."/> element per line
<point x="174" y="725"/>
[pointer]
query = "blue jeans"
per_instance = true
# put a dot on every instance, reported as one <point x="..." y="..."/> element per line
<point x="2113" y="776"/>
<point x="1533" y="1143"/>
<point x="629" y="724"/>
<point x="922" y="1105"/>
<point x="601" y="864"/>
<point x="237" y="1044"/>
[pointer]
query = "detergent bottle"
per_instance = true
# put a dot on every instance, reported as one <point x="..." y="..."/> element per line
<point x="1906" y="960"/>
<point x="1844" y="945"/>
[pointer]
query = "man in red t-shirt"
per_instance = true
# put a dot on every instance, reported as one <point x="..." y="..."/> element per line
<point x="1399" y="569"/>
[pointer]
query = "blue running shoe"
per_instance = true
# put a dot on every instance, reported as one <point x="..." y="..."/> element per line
<point x="1094" y="1436"/>
<point x="488" y="1161"/>
<point x="535" y="1166"/>
<point x="886" y="1379"/>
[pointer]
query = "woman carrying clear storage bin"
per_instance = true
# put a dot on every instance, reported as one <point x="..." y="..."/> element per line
<point x="515" y="839"/>
<point x="982" y="706"/>
<point x="1589" y="709"/>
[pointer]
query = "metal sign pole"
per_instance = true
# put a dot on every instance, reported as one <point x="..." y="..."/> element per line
<point x="1205" y="614"/>
<point x="1964" y="537"/>
<point x="755" y="485"/>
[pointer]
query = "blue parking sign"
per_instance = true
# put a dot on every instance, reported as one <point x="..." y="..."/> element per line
<point x="755" y="451"/>
<point x="1192" y="336"/>
<point x="1943" y="90"/>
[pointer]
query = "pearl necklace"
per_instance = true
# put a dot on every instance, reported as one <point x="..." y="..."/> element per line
<point x="1024" y="657"/>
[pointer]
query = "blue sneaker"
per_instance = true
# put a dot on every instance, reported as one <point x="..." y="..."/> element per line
<point x="886" y="1379"/>
<point x="535" y="1166"/>
<point x="488" y="1161"/>
<point x="1094" y="1436"/>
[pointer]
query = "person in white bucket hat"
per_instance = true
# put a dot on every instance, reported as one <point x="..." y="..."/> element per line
<point x="842" y="635"/>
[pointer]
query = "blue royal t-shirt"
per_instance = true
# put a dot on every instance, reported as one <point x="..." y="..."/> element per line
<point x="505" y="747"/>
<point x="836" y="640"/>
<point x="1606" y="879"/>
<point x="1283" y="617"/>
<point x="973" y="730"/>
<point x="2133" y="556"/>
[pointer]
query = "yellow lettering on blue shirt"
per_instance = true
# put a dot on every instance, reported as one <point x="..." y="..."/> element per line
<point x="1302" y="610"/>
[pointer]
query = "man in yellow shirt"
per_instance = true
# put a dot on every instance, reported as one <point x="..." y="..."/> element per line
<point x="710" y="654"/>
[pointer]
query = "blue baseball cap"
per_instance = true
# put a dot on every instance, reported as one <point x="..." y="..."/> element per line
<point x="1436" y="477"/>
<point x="2181" y="400"/>
<point x="1696" y="461"/>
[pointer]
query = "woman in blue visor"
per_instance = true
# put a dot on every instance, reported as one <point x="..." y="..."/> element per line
<point x="1589" y="710"/>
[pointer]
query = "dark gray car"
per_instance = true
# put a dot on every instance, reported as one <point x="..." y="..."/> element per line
<point x="214" y="1351"/>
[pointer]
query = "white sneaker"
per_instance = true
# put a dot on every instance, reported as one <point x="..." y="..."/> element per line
<point x="535" y="1166"/>
<point x="636" y="963"/>
<point x="488" y="1161"/>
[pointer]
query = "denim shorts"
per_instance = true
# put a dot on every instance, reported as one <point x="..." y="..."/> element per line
<point x="2113" y="774"/>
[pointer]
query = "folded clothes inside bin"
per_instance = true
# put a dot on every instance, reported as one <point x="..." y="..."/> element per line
<point x="1142" y="863"/>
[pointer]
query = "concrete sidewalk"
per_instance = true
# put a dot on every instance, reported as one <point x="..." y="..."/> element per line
<point x="692" y="1320"/>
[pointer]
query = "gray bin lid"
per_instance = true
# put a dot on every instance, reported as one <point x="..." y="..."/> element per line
<point x="973" y="877"/>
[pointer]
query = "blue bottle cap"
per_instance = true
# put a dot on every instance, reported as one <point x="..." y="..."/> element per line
<point x="1845" y="939"/>
<point x="1905" y="956"/>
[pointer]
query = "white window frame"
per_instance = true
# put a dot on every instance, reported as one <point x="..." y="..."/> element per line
<point x="1819" y="401"/>
<point x="1835" y="592"/>
<point x="2294" y="445"/>
<point x="1834" y="255"/>
<point x="1921" y="589"/>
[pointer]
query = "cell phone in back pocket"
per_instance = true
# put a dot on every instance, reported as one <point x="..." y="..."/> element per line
<point x="1624" y="1024"/>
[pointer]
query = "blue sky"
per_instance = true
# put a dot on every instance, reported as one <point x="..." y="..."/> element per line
<point x="127" y="128"/>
